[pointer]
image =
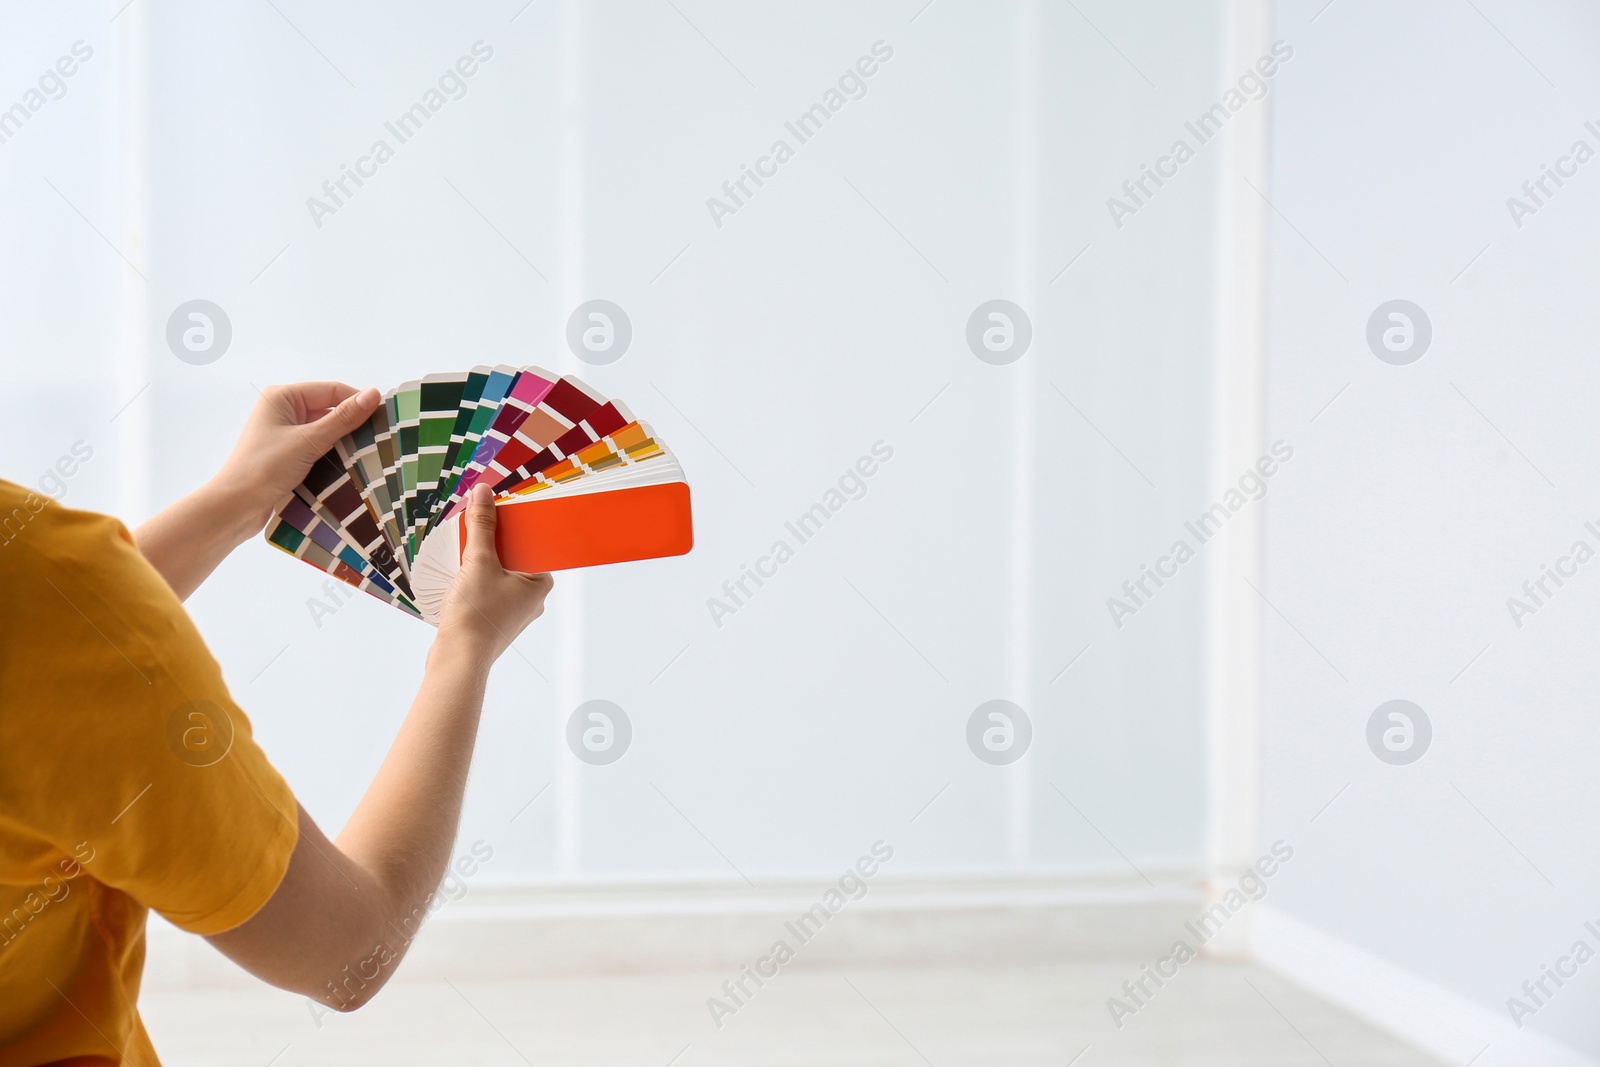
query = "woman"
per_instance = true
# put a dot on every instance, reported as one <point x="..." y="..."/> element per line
<point x="129" y="779"/>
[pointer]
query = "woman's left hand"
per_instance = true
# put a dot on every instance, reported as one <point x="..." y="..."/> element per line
<point x="288" y="429"/>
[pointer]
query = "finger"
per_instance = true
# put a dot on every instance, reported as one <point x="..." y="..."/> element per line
<point x="350" y="413"/>
<point x="315" y="398"/>
<point x="481" y="551"/>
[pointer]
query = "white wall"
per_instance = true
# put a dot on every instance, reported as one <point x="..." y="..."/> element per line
<point x="59" y="282"/>
<point x="1424" y="495"/>
<point x="1420" y="497"/>
<point x="787" y="341"/>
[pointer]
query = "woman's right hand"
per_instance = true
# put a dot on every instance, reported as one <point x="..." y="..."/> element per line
<point x="487" y="606"/>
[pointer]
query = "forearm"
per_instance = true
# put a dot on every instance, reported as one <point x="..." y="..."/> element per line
<point x="186" y="541"/>
<point x="401" y="832"/>
<point x="406" y="822"/>
<point x="347" y="911"/>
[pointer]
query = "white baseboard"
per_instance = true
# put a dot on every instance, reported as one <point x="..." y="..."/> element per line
<point x="526" y="931"/>
<point x="1413" y="1008"/>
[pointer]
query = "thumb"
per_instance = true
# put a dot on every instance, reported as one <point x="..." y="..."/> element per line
<point x="481" y="550"/>
<point x="351" y="413"/>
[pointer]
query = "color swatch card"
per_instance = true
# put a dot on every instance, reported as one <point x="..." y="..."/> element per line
<point x="578" y="482"/>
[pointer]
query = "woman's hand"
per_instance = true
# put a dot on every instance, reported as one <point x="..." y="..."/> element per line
<point x="288" y="429"/>
<point x="487" y="606"/>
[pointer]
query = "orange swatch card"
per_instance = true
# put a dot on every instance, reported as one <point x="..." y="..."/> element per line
<point x="562" y="532"/>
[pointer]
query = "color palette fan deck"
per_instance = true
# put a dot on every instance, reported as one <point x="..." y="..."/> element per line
<point x="578" y="482"/>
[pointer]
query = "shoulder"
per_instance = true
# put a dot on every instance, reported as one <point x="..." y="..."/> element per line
<point x="82" y="588"/>
<point x="35" y="525"/>
<point x="19" y="507"/>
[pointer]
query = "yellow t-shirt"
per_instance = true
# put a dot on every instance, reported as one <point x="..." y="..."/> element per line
<point x="128" y="781"/>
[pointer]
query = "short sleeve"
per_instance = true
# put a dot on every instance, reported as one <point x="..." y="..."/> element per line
<point x="120" y="744"/>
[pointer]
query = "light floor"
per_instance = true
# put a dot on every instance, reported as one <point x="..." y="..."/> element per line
<point x="1227" y="1015"/>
